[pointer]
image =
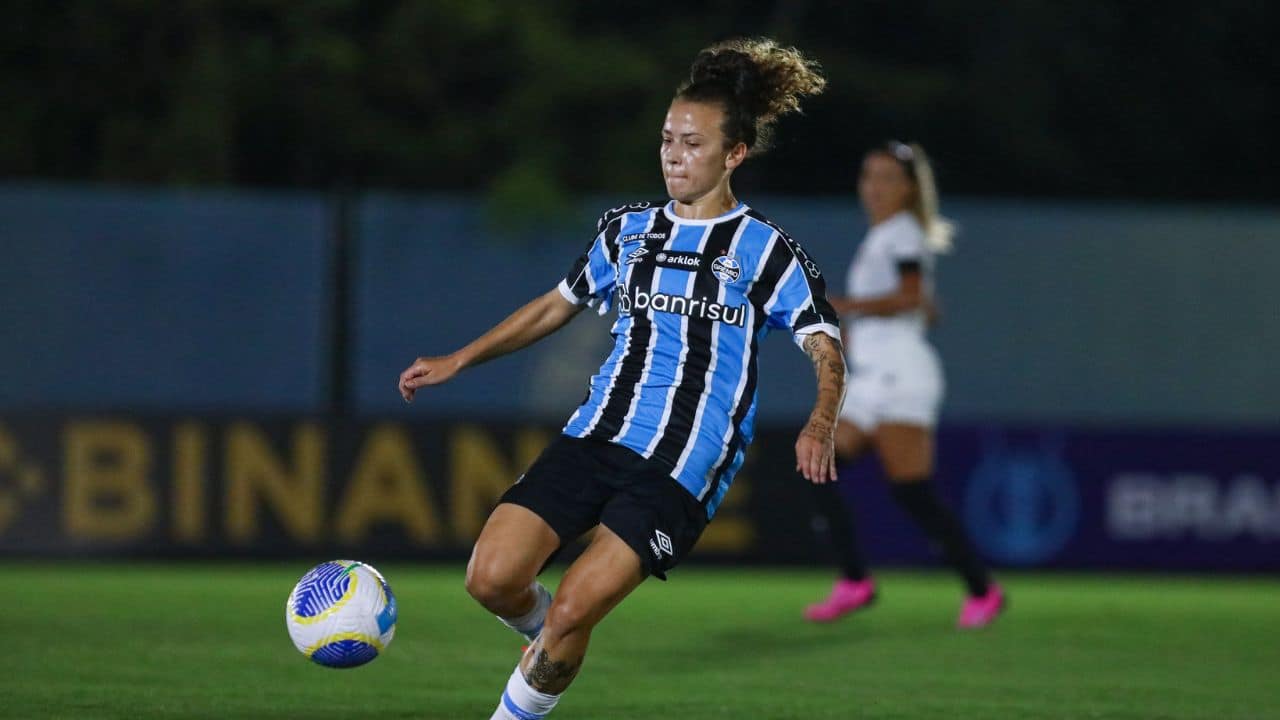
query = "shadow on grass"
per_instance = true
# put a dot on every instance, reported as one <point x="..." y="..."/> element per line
<point x="725" y="645"/>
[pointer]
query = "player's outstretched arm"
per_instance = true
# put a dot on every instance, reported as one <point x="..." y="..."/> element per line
<point x="815" y="449"/>
<point x="537" y="319"/>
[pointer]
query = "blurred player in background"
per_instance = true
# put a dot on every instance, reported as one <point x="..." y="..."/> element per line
<point x="651" y="452"/>
<point x="896" y="384"/>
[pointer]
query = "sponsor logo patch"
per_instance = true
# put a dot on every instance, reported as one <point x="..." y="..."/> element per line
<point x="634" y="300"/>
<point x="678" y="260"/>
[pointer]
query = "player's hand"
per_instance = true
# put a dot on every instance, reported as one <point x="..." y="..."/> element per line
<point x="427" y="371"/>
<point x="816" y="452"/>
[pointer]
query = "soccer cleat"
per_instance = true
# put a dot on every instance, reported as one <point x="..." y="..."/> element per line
<point x="846" y="596"/>
<point x="982" y="610"/>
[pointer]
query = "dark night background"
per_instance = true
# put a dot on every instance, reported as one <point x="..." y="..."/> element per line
<point x="525" y="100"/>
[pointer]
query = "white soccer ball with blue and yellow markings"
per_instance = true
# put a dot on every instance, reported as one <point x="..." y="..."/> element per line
<point x="341" y="614"/>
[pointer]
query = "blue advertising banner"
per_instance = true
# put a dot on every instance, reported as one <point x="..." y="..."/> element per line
<point x="1171" y="500"/>
<point x="77" y="486"/>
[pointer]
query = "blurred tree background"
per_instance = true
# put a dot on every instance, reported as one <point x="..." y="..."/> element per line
<point x="535" y="101"/>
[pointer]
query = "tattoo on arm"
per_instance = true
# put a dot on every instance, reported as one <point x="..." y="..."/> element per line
<point x="828" y="363"/>
<point x="551" y="676"/>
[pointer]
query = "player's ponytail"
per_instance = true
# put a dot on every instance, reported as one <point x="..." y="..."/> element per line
<point x="756" y="81"/>
<point x="938" y="230"/>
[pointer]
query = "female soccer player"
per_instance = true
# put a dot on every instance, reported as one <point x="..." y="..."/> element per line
<point x="896" y="383"/>
<point x="696" y="283"/>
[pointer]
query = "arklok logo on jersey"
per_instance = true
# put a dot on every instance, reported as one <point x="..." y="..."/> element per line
<point x="636" y="300"/>
<point x="678" y="260"/>
<point x="667" y="258"/>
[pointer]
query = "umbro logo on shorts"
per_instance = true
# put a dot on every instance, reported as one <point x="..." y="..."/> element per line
<point x="661" y="543"/>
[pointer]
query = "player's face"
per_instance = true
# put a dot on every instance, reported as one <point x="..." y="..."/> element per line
<point x="693" y="153"/>
<point x="884" y="187"/>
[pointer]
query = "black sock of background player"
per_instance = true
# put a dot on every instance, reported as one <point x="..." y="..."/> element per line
<point x="943" y="528"/>
<point x="830" y="506"/>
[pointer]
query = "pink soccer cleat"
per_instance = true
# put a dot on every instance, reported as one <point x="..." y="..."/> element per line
<point x="846" y="597"/>
<point x="982" y="610"/>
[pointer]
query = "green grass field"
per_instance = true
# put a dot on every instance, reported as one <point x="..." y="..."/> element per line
<point x="208" y="641"/>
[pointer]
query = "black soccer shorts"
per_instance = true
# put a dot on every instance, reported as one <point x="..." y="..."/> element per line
<point x="578" y="483"/>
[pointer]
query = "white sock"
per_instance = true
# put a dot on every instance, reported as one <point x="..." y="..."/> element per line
<point x="521" y="702"/>
<point x="530" y="624"/>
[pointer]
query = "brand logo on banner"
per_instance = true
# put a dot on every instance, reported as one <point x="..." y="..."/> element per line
<point x="271" y="486"/>
<point x="1022" y="505"/>
<point x="1148" y="506"/>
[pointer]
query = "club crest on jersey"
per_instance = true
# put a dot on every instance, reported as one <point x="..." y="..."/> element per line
<point x="636" y="255"/>
<point x="726" y="269"/>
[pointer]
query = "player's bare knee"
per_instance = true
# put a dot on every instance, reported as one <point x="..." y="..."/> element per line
<point x="497" y="591"/>
<point x="567" y="615"/>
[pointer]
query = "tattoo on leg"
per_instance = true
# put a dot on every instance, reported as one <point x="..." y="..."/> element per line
<point x="551" y="676"/>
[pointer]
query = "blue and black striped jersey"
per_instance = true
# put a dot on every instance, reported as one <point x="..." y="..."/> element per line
<point x="694" y="298"/>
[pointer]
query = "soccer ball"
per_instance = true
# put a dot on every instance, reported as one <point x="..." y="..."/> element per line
<point x="341" y="614"/>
